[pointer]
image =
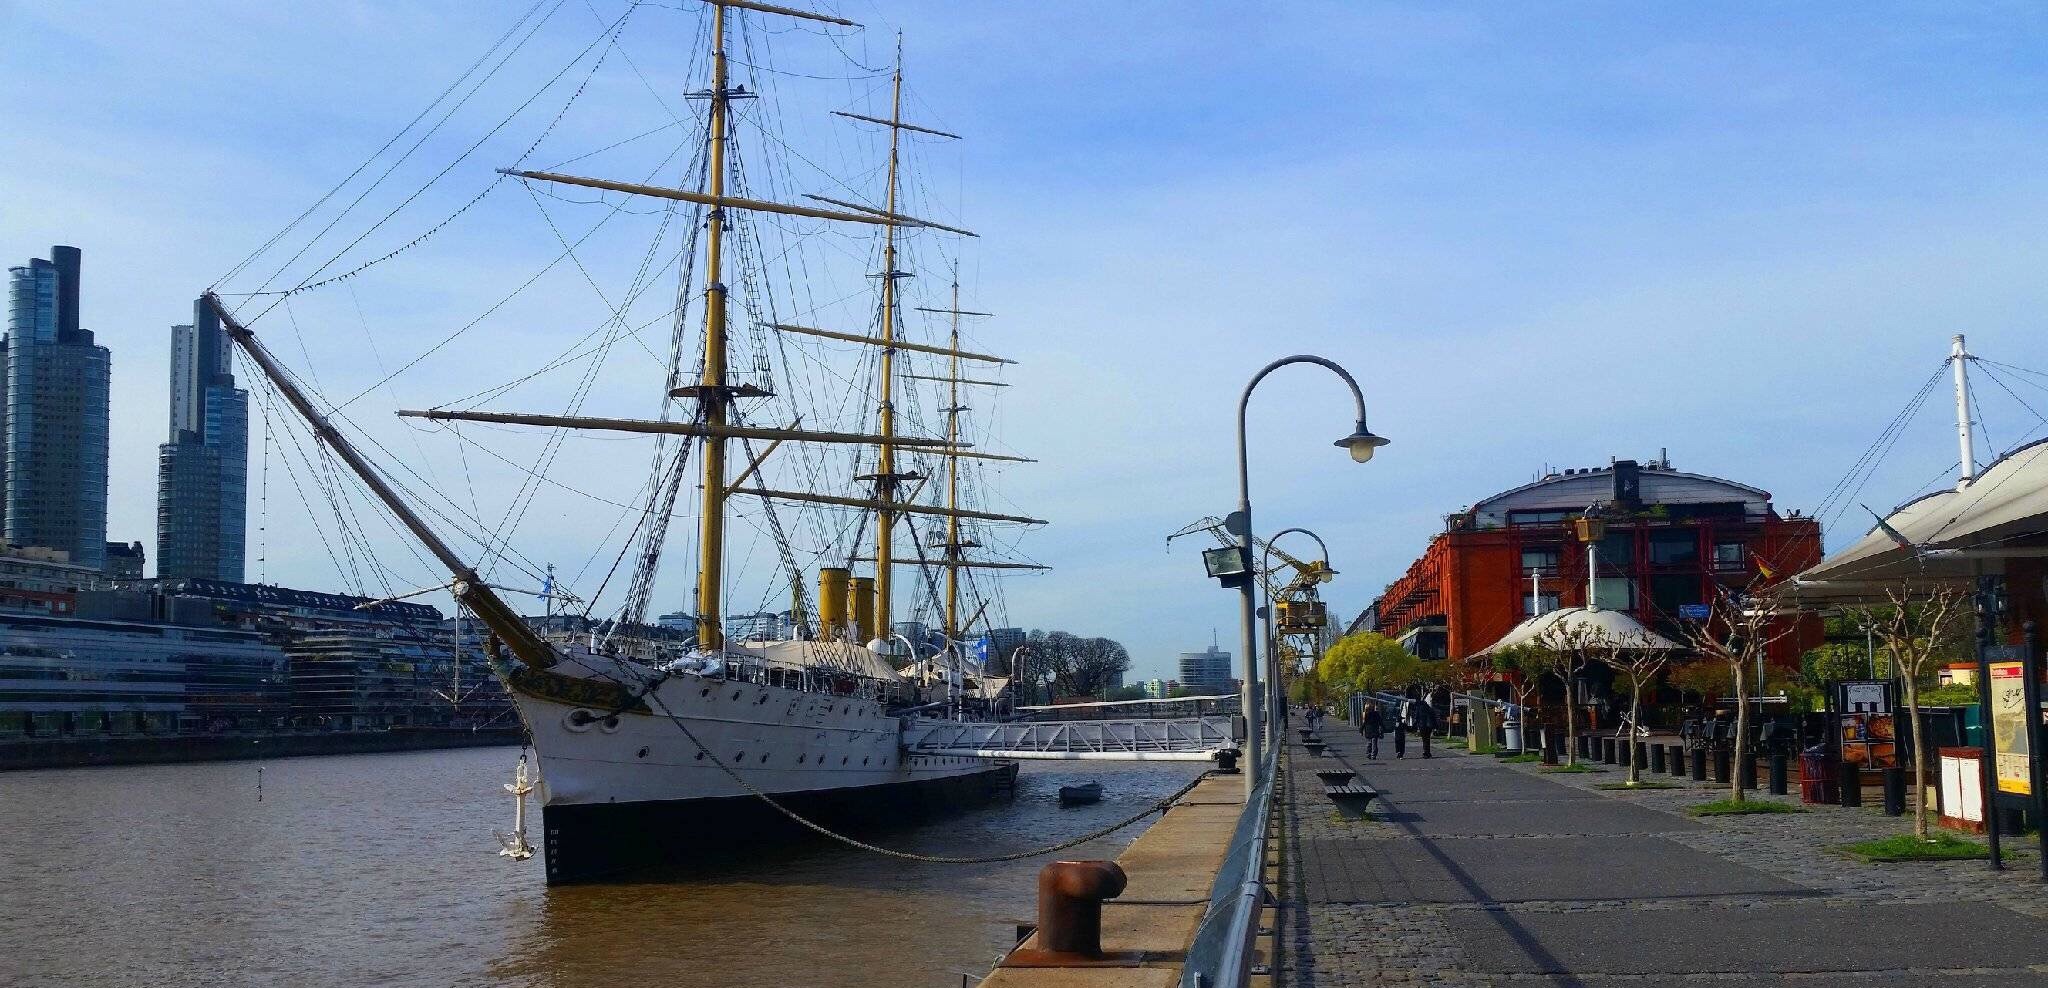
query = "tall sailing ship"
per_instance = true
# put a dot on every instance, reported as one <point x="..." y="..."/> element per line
<point x="648" y="743"/>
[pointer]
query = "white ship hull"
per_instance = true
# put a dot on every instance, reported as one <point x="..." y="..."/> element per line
<point x="618" y="789"/>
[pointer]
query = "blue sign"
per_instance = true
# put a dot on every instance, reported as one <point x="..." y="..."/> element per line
<point x="1695" y="612"/>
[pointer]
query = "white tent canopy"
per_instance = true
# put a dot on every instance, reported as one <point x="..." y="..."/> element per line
<point x="2003" y="511"/>
<point x="1577" y="622"/>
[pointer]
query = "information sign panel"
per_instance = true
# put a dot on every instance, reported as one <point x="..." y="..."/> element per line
<point x="2009" y="728"/>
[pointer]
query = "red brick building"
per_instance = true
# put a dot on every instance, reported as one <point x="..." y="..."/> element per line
<point x="1671" y="537"/>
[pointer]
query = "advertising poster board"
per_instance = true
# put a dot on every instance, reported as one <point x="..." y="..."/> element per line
<point x="2009" y="728"/>
<point x="1869" y="742"/>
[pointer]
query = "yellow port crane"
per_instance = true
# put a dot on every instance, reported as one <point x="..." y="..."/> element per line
<point x="1291" y="587"/>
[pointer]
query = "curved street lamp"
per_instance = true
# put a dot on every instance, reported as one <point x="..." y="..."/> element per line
<point x="1361" y="443"/>
<point x="1274" y="696"/>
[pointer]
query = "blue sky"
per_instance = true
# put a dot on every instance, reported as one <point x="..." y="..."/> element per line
<point x="1538" y="233"/>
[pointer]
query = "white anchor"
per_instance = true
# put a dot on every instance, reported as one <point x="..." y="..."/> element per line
<point x="514" y="845"/>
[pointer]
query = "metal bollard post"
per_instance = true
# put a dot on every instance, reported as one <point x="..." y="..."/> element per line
<point x="1657" y="766"/>
<point x="1677" y="760"/>
<point x="1852" y="785"/>
<point x="1724" y="765"/>
<point x="1070" y="895"/>
<point x="1607" y="751"/>
<point x="1699" y="764"/>
<point x="1894" y="792"/>
<point x="1780" y="765"/>
<point x="1642" y="759"/>
<point x="1745" y="773"/>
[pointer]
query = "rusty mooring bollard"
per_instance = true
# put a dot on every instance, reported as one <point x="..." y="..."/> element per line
<point x="1070" y="895"/>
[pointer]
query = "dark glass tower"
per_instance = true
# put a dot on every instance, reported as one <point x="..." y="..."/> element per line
<point x="53" y="415"/>
<point x="202" y="494"/>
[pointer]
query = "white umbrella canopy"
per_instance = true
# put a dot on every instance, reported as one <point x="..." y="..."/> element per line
<point x="1581" y="623"/>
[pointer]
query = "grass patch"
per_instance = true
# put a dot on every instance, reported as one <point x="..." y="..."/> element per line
<point x="1729" y="807"/>
<point x="1577" y="768"/>
<point x="1940" y="846"/>
<point x="1523" y="759"/>
<point x="1645" y="784"/>
<point x="1454" y="742"/>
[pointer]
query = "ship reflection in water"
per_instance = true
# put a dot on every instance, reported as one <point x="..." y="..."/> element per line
<point x="381" y="869"/>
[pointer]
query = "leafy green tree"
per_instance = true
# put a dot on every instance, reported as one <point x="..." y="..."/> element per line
<point x="1367" y="662"/>
<point x="1823" y="667"/>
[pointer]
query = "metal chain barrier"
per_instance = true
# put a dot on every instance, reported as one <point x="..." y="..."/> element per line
<point x="1158" y="806"/>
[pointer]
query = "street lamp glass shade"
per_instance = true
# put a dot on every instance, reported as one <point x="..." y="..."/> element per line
<point x="1362" y="443"/>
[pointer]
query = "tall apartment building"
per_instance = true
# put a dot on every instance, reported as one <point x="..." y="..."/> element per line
<point x="202" y="495"/>
<point x="53" y="415"/>
<point x="1207" y="671"/>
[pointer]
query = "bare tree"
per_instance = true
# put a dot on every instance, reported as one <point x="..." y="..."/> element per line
<point x="1738" y="632"/>
<point x="1639" y="658"/>
<point x="1566" y="649"/>
<point x="1915" y="628"/>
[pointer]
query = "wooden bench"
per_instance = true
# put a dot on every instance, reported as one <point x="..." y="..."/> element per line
<point x="1335" y="776"/>
<point x="1316" y="748"/>
<point x="1351" y="797"/>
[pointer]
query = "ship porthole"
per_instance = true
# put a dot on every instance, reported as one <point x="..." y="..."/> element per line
<point x="579" y="720"/>
<point x="739" y="756"/>
<point x="842" y="761"/>
<point x="764" y="759"/>
<point x="799" y="759"/>
<point x="863" y="761"/>
<point x="735" y="694"/>
<point x="609" y="724"/>
<point x="706" y="692"/>
<point x="643" y="753"/>
<point x="700" y="756"/>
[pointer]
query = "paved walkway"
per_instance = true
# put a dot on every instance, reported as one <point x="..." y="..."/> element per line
<point x="1475" y="872"/>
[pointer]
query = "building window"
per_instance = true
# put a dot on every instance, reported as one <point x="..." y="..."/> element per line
<point x="1538" y="517"/>
<point x="1545" y="603"/>
<point x="1670" y="592"/>
<point x="1615" y="593"/>
<point x="1731" y="556"/>
<point x="1618" y="552"/>
<point x="1674" y="548"/>
<point x="1540" y="560"/>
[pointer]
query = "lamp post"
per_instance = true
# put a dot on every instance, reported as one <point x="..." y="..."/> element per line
<point x="1362" y="444"/>
<point x="1274" y="695"/>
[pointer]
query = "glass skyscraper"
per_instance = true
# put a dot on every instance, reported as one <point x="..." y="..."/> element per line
<point x="53" y="415"/>
<point x="202" y="494"/>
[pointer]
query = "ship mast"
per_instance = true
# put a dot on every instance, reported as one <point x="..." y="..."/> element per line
<point x="953" y="631"/>
<point x="713" y="397"/>
<point x="885" y="473"/>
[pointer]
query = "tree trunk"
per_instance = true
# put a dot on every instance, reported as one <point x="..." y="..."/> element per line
<point x="1919" y="763"/>
<point x="1635" y="723"/>
<point x="1571" y="725"/>
<point x="1741" y="730"/>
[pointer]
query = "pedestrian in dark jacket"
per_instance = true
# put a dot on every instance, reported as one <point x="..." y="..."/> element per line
<point x="1373" y="725"/>
<point x="1423" y="718"/>
<point x="1401" y="731"/>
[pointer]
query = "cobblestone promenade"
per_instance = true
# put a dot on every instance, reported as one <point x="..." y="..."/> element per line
<point x="1475" y="872"/>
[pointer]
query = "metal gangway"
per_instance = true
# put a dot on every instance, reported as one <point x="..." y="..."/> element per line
<point x="1097" y="738"/>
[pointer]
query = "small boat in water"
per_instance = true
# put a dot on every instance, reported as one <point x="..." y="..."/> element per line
<point x="1081" y="795"/>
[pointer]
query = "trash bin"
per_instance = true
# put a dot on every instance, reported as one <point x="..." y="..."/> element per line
<point x="1817" y="777"/>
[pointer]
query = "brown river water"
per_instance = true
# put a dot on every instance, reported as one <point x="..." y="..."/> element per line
<point x="382" y="870"/>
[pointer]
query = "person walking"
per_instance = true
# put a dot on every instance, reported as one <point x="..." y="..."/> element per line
<point x="1424" y="720"/>
<point x="1373" y="725"/>
<point x="1401" y="730"/>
